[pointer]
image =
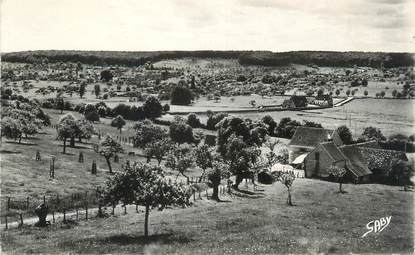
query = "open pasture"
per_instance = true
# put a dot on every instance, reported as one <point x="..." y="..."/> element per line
<point x="321" y="221"/>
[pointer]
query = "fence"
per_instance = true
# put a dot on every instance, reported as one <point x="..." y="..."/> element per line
<point x="77" y="206"/>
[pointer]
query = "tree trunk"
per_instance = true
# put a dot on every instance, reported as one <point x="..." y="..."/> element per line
<point x="340" y="188"/>
<point x="109" y="164"/>
<point x="289" y="198"/>
<point x="64" y="145"/>
<point x="238" y="180"/>
<point x="120" y="130"/>
<point x="72" y="141"/>
<point x="80" y="139"/>
<point x="215" y="194"/>
<point x="146" y="221"/>
<point x="20" y="139"/>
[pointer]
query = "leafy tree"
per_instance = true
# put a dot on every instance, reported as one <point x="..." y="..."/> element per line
<point x="193" y="120"/>
<point x="218" y="171"/>
<point x="337" y="92"/>
<point x="204" y="158"/>
<point x="97" y="90"/>
<point x="152" y="108"/>
<point x="84" y="129"/>
<point x="145" y="185"/>
<point x="66" y="128"/>
<point x="11" y="128"/>
<point x="370" y="133"/>
<point x="180" y="159"/>
<point x="345" y="134"/>
<point x="180" y="132"/>
<point x="181" y="96"/>
<point x="252" y="133"/>
<point x="401" y="173"/>
<point x="166" y="108"/>
<point x="338" y="173"/>
<point x="109" y="148"/>
<point x="288" y="179"/>
<point x="118" y="122"/>
<point x="240" y="157"/>
<point x="286" y="128"/>
<point x="271" y="157"/>
<point x="106" y="75"/>
<point x="158" y="149"/>
<point x="312" y="124"/>
<point x="214" y="119"/>
<point x="82" y="89"/>
<point x="320" y="92"/>
<point x="91" y="113"/>
<point x="348" y="92"/>
<point x="270" y="123"/>
<point x="382" y="93"/>
<point x="60" y="104"/>
<point x="146" y="132"/>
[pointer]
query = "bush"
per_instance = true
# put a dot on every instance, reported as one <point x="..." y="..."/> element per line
<point x="181" y="96"/>
<point x="215" y="119"/>
<point x="92" y="116"/>
<point x="193" y="120"/>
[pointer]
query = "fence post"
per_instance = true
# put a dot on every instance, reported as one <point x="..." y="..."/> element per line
<point x="21" y="219"/>
<point x="113" y="210"/>
<point x="27" y="204"/>
<point x="86" y="211"/>
<point x="136" y="207"/>
<point x="125" y="209"/>
<point x="194" y="195"/>
<point x="44" y="200"/>
<point x="8" y="203"/>
<point x="53" y="216"/>
<point x="7" y="226"/>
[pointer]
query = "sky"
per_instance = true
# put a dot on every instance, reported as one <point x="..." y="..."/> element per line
<point x="146" y="25"/>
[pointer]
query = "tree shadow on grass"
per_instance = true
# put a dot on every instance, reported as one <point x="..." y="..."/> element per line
<point x="10" y="152"/>
<point x="22" y="143"/>
<point x="247" y="193"/>
<point x="124" y="239"/>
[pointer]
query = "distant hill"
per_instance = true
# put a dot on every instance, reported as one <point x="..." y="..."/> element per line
<point x="264" y="58"/>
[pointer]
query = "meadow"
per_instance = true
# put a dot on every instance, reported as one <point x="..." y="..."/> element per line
<point x="321" y="221"/>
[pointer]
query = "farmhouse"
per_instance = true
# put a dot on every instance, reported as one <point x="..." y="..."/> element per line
<point x="362" y="160"/>
<point x="323" y="100"/>
<point x="305" y="139"/>
<point x="325" y="155"/>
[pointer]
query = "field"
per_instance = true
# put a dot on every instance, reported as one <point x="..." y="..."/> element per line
<point x="321" y="221"/>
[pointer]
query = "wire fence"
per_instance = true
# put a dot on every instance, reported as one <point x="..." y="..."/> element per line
<point x="78" y="206"/>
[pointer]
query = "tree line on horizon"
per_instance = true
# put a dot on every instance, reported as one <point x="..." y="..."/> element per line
<point x="263" y="58"/>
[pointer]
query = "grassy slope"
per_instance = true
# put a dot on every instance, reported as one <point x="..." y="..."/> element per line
<point x="321" y="221"/>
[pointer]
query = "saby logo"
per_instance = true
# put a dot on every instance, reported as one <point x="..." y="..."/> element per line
<point x="377" y="226"/>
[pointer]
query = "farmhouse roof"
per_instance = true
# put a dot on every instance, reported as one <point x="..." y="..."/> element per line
<point x="356" y="161"/>
<point x="381" y="159"/>
<point x="369" y="144"/>
<point x="310" y="136"/>
<point x="333" y="151"/>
